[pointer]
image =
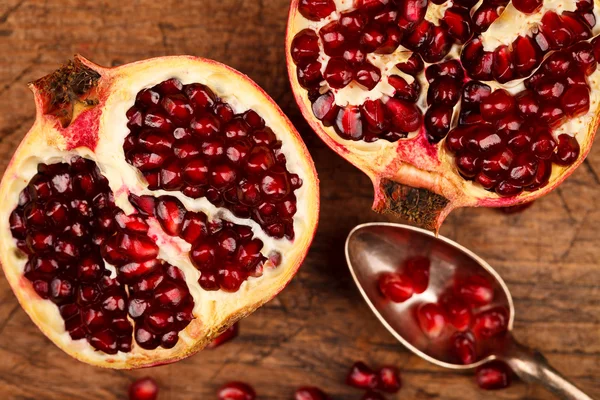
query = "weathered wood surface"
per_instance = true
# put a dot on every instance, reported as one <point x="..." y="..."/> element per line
<point x="311" y="333"/>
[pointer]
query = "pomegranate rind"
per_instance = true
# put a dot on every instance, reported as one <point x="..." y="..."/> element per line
<point x="412" y="178"/>
<point x="103" y="128"/>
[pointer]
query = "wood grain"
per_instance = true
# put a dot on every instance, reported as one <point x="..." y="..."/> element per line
<point x="312" y="332"/>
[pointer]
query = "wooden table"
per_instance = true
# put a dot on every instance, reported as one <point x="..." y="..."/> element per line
<point x="319" y="325"/>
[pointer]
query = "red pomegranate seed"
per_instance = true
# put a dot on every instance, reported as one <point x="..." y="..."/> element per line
<point x="556" y="31"/>
<point x="493" y="376"/>
<point x="458" y="312"/>
<point x="503" y="67"/>
<point x="468" y="164"/>
<point x="405" y="116"/>
<point x="525" y="54"/>
<point x="393" y="36"/>
<point x="413" y="65"/>
<point x="236" y="391"/>
<point x="229" y="334"/>
<point x="431" y="319"/>
<point x="373" y="112"/>
<point x="475" y="289"/>
<point x="170" y="212"/>
<point x="552" y="115"/>
<point x="528" y="6"/>
<point x="325" y="109"/>
<point x="316" y="10"/>
<point x="473" y="93"/>
<point x="497" y="105"/>
<point x="389" y="379"/>
<point x="310" y="75"/>
<point x="305" y="47"/>
<point x="443" y="90"/>
<point x="439" y="47"/>
<point x="372" y="395"/>
<point x="419" y="37"/>
<point x="457" y="22"/>
<point x="348" y="123"/>
<point x="361" y="376"/>
<point x="310" y="393"/>
<point x="333" y="39"/>
<point x="567" y="150"/>
<point x="523" y="170"/>
<point x="463" y="347"/>
<point x="417" y="268"/>
<point x="352" y="23"/>
<point x="410" y="13"/>
<point x="437" y="122"/>
<point x="485" y="15"/>
<point x="576" y="101"/>
<point x="582" y="54"/>
<point x="338" y="73"/>
<point x="372" y="38"/>
<point x="404" y="90"/>
<point x="396" y="287"/>
<point x="491" y="323"/>
<point x="367" y="75"/>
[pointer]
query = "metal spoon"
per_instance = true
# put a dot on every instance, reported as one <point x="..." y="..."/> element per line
<point x="374" y="248"/>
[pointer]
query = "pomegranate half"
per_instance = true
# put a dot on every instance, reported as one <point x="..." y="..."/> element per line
<point x="151" y="206"/>
<point x="449" y="103"/>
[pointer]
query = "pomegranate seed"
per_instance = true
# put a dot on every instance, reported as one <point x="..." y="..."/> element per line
<point x="417" y="268"/>
<point x="419" y="37"/>
<point x="170" y="212"/>
<point x="576" y="101"/>
<point x="372" y="395"/>
<point x="352" y="23"/>
<point x="368" y="75"/>
<point x="310" y="393"/>
<point x="389" y="379"/>
<point x="372" y="111"/>
<point x="393" y="36"/>
<point x="463" y="347"/>
<point x="457" y="22"/>
<point x="458" y="312"/>
<point x="567" y="150"/>
<point x="236" y="391"/>
<point x="475" y="289"/>
<point x="437" y="122"/>
<point x="432" y="320"/>
<point x="497" y="105"/>
<point x="348" y="123"/>
<point x="410" y="13"/>
<point x="491" y="323"/>
<point x="503" y="66"/>
<point x="404" y="116"/>
<point x="582" y="54"/>
<point x="338" y="73"/>
<point x="305" y="47"/>
<point x="396" y="287"/>
<point x="493" y="375"/>
<point x="485" y="15"/>
<point x="361" y="376"/>
<point x="439" y="47"/>
<point x="552" y="115"/>
<point x="555" y="30"/>
<point x="528" y="6"/>
<point x="469" y="165"/>
<point x="412" y="66"/>
<point x="333" y="39"/>
<point x="316" y="10"/>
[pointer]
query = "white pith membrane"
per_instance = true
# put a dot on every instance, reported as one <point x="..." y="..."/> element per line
<point x="213" y="310"/>
<point x="413" y="160"/>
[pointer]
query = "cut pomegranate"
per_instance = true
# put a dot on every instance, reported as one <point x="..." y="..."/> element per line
<point x="236" y="391"/>
<point x="432" y="320"/>
<point x="396" y="287"/>
<point x="364" y="80"/>
<point x="143" y="389"/>
<point x="310" y="393"/>
<point x="120" y="272"/>
<point x="361" y="376"/>
<point x="389" y="379"/>
<point x="493" y="376"/>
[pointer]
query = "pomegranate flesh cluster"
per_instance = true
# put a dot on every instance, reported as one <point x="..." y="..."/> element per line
<point x="499" y="94"/>
<point x="184" y="138"/>
<point x="68" y="226"/>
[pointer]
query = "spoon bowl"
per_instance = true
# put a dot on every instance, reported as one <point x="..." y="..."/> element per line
<point x="375" y="248"/>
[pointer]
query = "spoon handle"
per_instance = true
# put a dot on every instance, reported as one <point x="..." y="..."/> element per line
<point x="532" y="367"/>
